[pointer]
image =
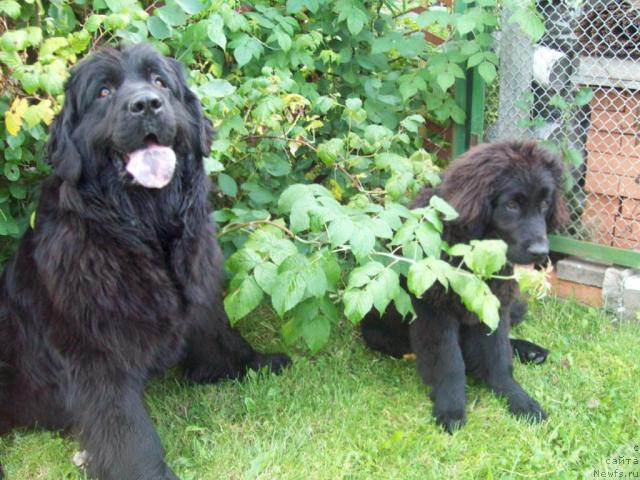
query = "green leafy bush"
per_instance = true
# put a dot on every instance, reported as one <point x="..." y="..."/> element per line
<point x="319" y="107"/>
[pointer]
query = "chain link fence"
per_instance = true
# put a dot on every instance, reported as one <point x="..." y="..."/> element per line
<point x="578" y="89"/>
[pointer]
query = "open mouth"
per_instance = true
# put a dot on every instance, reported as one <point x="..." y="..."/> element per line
<point x="153" y="165"/>
<point x="151" y="140"/>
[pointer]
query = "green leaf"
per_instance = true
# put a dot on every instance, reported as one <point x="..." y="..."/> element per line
<point x="315" y="331"/>
<point x="171" y="15"/>
<point x="329" y="151"/>
<point x="266" y="275"/>
<point x="331" y="268"/>
<point x="190" y="6"/>
<point x="158" y="28"/>
<point x="486" y="257"/>
<point x="11" y="8"/>
<point x="284" y="40"/>
<point x="215" y="30"/>
<point x="287" y="292"/>
<point x="446" y="80"/>
<point x="227" y="185"/>
<point x="443" y="207"/>
<point x="574" y="156"/>
<point x="243" y="261"/>
<point x="384" y="288"/>
<point x="243" y="299"/>
<point x="217" y="88"/>
<point x="466" y="23"/>
<point x="403" y="303"/>
<point x="295" y="6"/>
<point x="475" y="59"/>
<point x="429" y="239"/>
<point x="381" y="229"/>
<point x="299" y="218"/>
<point x="360" y="276"/>
<point x="11" y="171"/>
<point x="18" y="191"/>
<point x="316" y="280"/>
<point x="357" y="303"/>
<point x="583" y="97"/>
<point x="340" y="231"/>
<point x="530" y="23"/>
<point x="487" y="71"/>
<point x="276" y="165"/>
<point x="211" y="165"/>
<point x="362" y="242"/>
<point x="420" y="278"/>
<point x="246" y="48"/>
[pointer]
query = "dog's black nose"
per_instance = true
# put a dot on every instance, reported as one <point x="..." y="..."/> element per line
<point x="145" y="103"/>
<point x="539" y="249"/>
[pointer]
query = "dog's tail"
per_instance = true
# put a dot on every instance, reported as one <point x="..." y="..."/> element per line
<point x="388" y="334"/>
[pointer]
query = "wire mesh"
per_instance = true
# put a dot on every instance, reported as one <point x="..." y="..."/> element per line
<point x="578" y="90"/>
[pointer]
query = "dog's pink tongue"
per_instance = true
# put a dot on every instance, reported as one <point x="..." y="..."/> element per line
<point x="152" y="167"/>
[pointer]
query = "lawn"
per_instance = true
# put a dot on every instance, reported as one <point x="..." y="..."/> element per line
<point x="350" y="413"/>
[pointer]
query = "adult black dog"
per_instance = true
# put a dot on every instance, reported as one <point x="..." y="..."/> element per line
<point x="121" y="276"/>
<point x="510" y="191"/>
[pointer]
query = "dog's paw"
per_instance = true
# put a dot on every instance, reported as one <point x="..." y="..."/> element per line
<point x="523" y="406"/>
<point x="529" y="352"/>
<point x="450" y="419"/>
<point x="274" y="362"/>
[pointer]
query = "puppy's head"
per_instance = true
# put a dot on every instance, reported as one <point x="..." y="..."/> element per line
<point x="510" y="191"/>
<point x="120" y="104"/>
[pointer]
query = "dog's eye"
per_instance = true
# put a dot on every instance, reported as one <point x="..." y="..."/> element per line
<point x="158" y="82"/>
<point x="104" y="92"/>
<point x="513" y="205"/>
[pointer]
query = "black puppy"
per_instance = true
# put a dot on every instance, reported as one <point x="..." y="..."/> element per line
<point x="121" y="276"/>
<point x="510" y="191"/>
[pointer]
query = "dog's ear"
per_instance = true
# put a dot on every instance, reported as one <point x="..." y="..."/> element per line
<point x="474" y="209"/>
<point x="204" y="126"/>
<point x="468" y="187"/>
<point x="60" y="150"/>
<point x="558" y="214"/>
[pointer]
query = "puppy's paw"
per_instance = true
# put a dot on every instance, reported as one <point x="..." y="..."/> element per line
<point x="450" y="419"/>
<point x="523" y="406"/>
<point x="529" y="352"/>
<point x="275" y="362"/>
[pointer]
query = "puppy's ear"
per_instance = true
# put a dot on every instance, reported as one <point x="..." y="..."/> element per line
<point x="558" y="215"/>
<point x="474" y="209"/>
<point x="60" y="150"/>
<point x="203" y="125"/>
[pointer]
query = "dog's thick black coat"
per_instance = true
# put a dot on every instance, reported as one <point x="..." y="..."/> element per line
<point x="116" y="281"/>
<point x="510" y="191"/>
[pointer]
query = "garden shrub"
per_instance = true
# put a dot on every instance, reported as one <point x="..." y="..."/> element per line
<point x="319" y="107"/>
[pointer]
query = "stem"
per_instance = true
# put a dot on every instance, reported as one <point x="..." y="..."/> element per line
<point x="239" y="226"/>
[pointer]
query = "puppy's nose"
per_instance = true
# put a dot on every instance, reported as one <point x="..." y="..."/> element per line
<point x="539" y="249"/>
<point x="145" y="103"/>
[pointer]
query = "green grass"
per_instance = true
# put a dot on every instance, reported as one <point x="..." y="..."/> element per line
<point x="350" y="413"/>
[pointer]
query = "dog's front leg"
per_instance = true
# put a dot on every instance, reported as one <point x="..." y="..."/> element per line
<point x="489" y="358"/>
<point x="117" y="434"/>
<point x="217" y="351"/>
<point x="435" y="341"/>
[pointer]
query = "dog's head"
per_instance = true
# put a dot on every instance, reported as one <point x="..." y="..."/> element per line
<point x="123" y="106"/>
<point x="510" y="191"/>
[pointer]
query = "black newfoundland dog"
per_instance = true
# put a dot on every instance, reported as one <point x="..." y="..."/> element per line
<point x="120" y="278"/>
<point x="510" y="191"/>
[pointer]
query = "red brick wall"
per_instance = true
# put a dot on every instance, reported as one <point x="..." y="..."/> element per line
<point x="612" y="208"/>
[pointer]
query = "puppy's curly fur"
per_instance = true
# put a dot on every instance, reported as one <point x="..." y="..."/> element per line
<point x="505" y="190"/>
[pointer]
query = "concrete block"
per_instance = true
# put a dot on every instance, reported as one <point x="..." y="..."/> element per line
<point x="581" y="271"/>
<point x="613" y="289"/>
<point x="631" y="298"/>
